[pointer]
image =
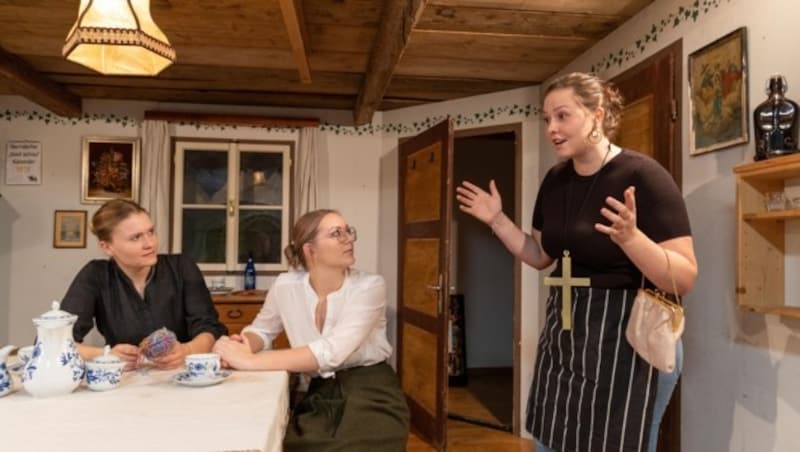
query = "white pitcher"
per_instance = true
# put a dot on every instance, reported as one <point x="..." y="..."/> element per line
<point x="55" y="367"/>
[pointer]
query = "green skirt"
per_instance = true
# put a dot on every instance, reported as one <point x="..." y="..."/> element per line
<point x="360" y="409"/>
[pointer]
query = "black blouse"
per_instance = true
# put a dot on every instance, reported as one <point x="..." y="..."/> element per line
<point x="175" y="297"/>
<point x="660" y="214"/>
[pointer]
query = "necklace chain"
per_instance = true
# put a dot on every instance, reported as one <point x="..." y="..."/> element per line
<point x="585" y="197"/>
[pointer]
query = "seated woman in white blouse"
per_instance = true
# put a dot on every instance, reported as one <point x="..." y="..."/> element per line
<point x="335" y="319"/>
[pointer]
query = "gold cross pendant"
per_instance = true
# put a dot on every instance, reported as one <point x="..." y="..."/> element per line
<point x="567" y="282"/>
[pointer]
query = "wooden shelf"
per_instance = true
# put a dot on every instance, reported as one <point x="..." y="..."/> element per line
<point x="780" y="215"/>
<point x="774" y="310"/>
<point x="761" y="235"/>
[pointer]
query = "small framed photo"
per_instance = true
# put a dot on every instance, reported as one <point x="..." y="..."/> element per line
<point x="718" y="109"/>
<point x="69" y="229"/>
<point x="109" y="169"/>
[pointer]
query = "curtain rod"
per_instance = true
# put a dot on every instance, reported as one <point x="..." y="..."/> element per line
<point x="238" y="120"/>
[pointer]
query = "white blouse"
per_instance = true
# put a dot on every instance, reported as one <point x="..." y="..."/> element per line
<point x="354" y="332"/>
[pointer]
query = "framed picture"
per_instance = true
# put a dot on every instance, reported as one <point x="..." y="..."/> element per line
<point x="69" y="229"/>
<point x="109" y="169"/>
<point x="718" y="110"/>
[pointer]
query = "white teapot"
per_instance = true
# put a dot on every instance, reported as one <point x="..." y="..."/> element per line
<point x="55" y="367"/>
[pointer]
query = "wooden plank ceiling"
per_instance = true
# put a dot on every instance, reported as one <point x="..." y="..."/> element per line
<point x="360" y="55"/>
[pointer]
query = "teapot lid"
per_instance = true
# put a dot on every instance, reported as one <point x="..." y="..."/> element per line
<point x="55" y="315"/>
<point x="107" y="357"/>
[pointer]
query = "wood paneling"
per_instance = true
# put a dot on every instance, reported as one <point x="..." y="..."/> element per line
<point x="514" y="22"/>
<point x="214" y="97"/>
<point x="636" y="132"/>
<point x="488" y="48"/>
<point x="419" y="366"/>
<point x="421" y="261"/>
<point x="422" y="200"/>
<point x="623" y="8"/>
<point x="457" y="49"/>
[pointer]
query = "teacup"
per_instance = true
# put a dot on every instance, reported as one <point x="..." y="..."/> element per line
<point x="202" y="365"/>
<point x="104" y="372"/>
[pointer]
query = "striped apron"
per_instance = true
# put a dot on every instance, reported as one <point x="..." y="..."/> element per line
<point x="590" y="390"/>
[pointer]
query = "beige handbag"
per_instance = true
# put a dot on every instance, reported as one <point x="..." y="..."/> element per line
<point x="655" y="325"/>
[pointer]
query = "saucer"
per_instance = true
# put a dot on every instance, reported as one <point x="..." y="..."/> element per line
<point x="185" y="379"/>
<point x="220" y="290"/>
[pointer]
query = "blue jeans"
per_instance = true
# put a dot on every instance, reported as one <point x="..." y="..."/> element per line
<point x="666" y="384"/>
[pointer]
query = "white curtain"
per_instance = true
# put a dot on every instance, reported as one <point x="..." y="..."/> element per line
<point x="305" y="171"/>
<point x="155" y="177"/>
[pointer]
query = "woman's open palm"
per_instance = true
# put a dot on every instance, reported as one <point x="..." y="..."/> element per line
<point x="478" y="203"/>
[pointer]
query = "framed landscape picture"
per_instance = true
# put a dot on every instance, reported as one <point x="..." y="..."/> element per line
<point x="718" y="109"/>
<point x="109" y="169"/>
<point x="69" y="229"/>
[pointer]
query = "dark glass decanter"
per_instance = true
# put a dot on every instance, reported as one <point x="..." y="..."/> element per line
<point x="775" y="122"/>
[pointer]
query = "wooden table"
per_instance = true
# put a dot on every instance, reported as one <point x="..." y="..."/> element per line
<point x="247" y="411"/>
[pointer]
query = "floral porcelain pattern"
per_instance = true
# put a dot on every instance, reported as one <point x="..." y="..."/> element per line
<point x="187" y="379"/>
<point x="95" y="376"/>
<point x="5" y="380"/>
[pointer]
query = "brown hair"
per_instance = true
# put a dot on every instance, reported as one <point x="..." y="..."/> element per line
<point x="592" y="92"/>
<point x="110" y="214"/>
<point x="304" y="231"/>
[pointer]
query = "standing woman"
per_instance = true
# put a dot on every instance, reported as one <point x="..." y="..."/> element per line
<point x="335" y="319"/>
<point x="620" y="218"/>
<point x="138" y="291"/>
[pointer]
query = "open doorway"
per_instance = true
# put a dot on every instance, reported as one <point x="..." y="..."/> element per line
<point x="484" y="302"/>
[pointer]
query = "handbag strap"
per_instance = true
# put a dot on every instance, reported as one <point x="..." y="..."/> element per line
<point x="671" y="275"/>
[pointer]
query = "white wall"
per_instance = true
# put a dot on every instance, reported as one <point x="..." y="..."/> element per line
<point x="740" y="382"/>
<point x="32" y="273"/>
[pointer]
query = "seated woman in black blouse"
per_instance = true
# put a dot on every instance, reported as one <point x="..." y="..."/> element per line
<point x="138" y="291"/>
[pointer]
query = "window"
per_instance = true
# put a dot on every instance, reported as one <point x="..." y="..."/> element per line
<point x="231" y="200"/>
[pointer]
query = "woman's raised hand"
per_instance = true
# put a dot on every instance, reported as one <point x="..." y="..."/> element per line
<point x="622" y="217"/>
<point x="475" y="201"/>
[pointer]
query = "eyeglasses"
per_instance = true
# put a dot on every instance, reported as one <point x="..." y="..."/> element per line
<point x="343" y="234"/>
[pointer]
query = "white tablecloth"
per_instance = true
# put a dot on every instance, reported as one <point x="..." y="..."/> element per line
<point x="247" y="411"/>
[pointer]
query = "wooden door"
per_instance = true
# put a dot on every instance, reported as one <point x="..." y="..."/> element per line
<point x="651" y="124"/>
<point x="425" y="211"/>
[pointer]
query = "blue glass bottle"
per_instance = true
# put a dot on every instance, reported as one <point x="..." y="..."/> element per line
<point x="249" y="274"/>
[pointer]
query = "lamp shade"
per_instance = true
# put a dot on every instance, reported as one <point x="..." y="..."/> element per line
<point x="118" y="37"/>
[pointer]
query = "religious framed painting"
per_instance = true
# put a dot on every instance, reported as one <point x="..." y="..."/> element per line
<point x="69" y="229"/>
<point x="718" y="108"/>
<point x="109" y="169"/>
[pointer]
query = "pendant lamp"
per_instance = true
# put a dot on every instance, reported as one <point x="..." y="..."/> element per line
<point x="118" y="37"/>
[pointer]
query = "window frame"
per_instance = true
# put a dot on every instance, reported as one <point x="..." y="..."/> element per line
<point x="234" y="149"/>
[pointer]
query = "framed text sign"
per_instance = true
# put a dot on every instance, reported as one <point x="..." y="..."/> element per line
<point x="23" y="163"/>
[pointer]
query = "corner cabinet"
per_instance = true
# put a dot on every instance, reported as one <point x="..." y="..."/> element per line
<point x="238" y="309"/>
<point x="762" y="252"/>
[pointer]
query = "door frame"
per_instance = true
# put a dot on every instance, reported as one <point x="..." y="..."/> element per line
<point x="516" y="129"/>
<point x="669" y="439"/>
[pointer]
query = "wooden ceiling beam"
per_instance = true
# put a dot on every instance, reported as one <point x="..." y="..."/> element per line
<point x="218" y="97"/>
<point x="397" y="22"/>
<point x="28" y="83"/>
<point x="230" y="119"/>
<point x="292" y="11"/>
